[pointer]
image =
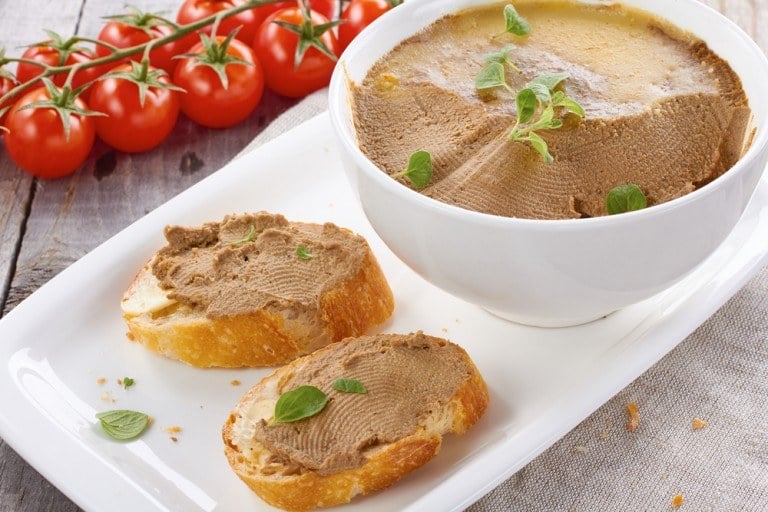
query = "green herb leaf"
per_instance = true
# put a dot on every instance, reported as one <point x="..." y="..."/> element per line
<point x="419" y="170"/>
<point x="249" y="238"/>
<point x="550" y="80"/>
<point x="302" y="402"/>
<point x="491" y="76"/>
<point x="502" y="57"/>
<point x="349" y="386"/>
<point x="571" y="105"/>
<point x="128" y="382"/>
<point x="625" y="198"/>
<point x="123" y="425"/>
<point x="540" y="145"/>
<point x="515" y="24"/>
<point x="526" y="105"/>
<point x="303" y="253"/>
<point x="541" y="91"/>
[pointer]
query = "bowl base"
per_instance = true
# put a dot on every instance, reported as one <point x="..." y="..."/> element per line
<point x="546" y="323"/>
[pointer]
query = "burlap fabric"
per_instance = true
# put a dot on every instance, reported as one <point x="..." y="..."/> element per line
<point x="719" y="374"/>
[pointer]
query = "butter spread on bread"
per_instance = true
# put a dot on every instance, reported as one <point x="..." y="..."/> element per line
<point x="418" y="389"/>
<point x="240" y="292"/>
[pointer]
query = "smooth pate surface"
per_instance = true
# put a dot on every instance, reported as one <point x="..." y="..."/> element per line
<point x="663" y="111"/>
<point x="207" y="267"/>
<point x="407" y="377"/>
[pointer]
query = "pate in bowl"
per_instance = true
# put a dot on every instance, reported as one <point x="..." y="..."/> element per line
<point x="671" y="102"/>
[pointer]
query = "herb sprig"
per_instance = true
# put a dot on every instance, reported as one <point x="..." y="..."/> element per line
<point x="250" y="237"/>
<point x="349" y="386"/>
<point x="123" y="425"/>
<point x="625" y="198"/>
<point x="494" y="74"/>
<point x="303" y="253"/>
<point x="297" y="404"/>
<point x="540" y="96"/>
<point x="419" y="170"/>
<point x="514" y="23"/>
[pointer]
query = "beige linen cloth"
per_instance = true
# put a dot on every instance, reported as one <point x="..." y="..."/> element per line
<point x="719" y="374"/>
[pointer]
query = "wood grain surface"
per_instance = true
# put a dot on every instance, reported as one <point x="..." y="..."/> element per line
<point x="46" y="226"/>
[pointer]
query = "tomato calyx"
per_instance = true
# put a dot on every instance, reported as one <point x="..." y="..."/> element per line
<point x="215" y="55"/>
<point x="394" y="3"/>
<point x="138" y="19"/>
<point x="309" y="34"/>
<point x="64" y="47"/>
<point x="144" y="78"/>
<point x="63" y="101"/>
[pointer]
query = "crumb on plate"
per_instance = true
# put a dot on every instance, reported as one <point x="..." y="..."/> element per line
<point x="173" y="430"/>
<point x="235" y="383"/>
<point x="677" y="500"/>
<point x="101" y="381"/>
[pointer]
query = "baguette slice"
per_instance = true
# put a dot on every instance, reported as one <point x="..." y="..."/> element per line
<point x="268" y="336"/>
<point x="283" y="483"/>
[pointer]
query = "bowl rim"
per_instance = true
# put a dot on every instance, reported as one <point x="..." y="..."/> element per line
<point x="338" y="103"/>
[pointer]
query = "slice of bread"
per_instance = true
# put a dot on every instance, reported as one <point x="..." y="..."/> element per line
<point x="265" y="336"/>
<point x="276" y="476"/>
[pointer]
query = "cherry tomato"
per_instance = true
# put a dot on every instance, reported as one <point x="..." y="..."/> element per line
<point x="124" y="36"/>
<point x="130" y="126"/>
<point x="325" y="7"/>
<point x="275" y="47"/>
<point x="6" y="85"/>
<point x="358" y="15"/>
<point x="36" y="140"/>
<point x="206" y="101"/>
<point x="194" y="10"/>
<point x="50" y="56"/>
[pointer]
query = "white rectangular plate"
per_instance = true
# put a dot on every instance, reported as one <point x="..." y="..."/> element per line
<point x="58" y="342"/>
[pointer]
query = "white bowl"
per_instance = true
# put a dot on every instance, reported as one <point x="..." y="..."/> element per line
<point x="555" y="272"/>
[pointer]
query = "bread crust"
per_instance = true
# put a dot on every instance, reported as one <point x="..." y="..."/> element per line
<point x="267" y="337"/>
<point x="307" y="490"/>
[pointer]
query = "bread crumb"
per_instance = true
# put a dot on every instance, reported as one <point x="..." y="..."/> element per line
<point x="603" y="435"/>
<point x="107" y="397"/>
<point x="235" y="383"/>
<point x="699" y="423"/>
<point x="173" y="430"/>
<point x="175" y="440"/>
<point x="445" y="330"/>
<point x="130" y="336"/>
<point x="634" y="417"/>
<point x="101" y="381"/>
<point x="677" y="500"/>
<point x="580" y="449"/>
<point x="119" y="382"/>
<point x="150" y="420"/>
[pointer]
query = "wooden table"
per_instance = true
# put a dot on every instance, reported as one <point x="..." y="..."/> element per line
<point x="46" y="226"/>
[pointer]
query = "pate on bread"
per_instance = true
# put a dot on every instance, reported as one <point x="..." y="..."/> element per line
<point x="417" y="389"/>
<point x="255" y="290"/>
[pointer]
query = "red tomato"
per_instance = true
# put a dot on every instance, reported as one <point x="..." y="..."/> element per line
<point x="358" y="15"/>
<point x="124" y="36"/>
<point x="206" y="101"/>
<point x="36" y="141"/>
<point x="130" y="126"/>
<point x="325" y="7"/>
<point x="194" y="10"/>
<point x="275" y="47"/>
<point x="50" y="56"/>
<point x="5" y="87"/>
